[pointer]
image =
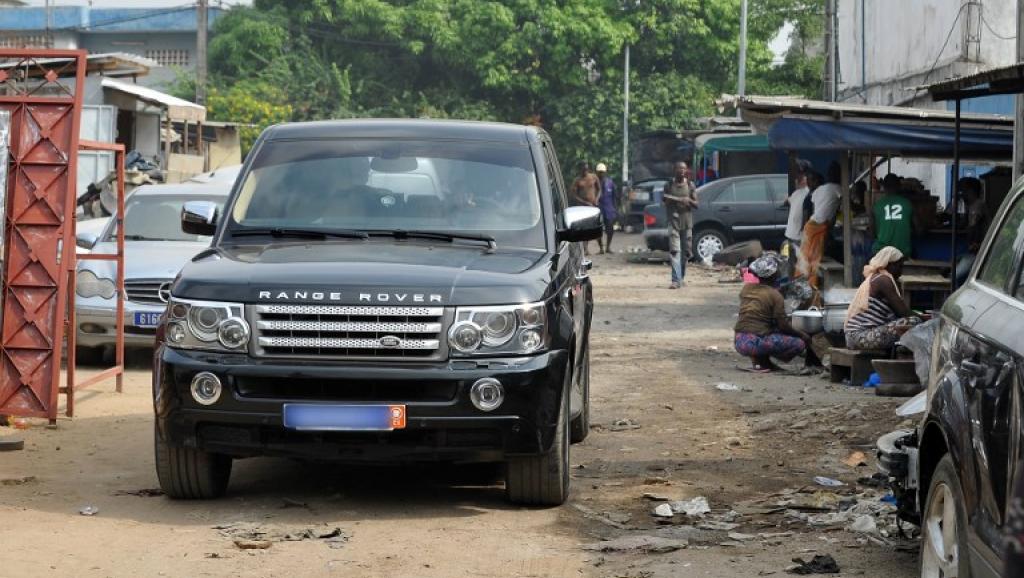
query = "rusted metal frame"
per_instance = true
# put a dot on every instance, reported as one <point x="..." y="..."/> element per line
<point x="117" y="371"/>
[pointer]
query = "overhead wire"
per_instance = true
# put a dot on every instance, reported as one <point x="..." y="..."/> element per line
<point x="945" y="43"/>
<point x="993" y="31"/>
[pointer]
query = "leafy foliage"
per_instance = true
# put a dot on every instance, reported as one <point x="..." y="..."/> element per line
<point x="548" y="62"/>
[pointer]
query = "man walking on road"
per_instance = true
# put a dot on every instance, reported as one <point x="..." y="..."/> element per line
<point x="680" y="200"/>
<point x="609" y="204"/>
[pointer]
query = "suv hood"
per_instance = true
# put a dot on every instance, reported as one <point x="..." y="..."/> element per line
<point x="371" y="272"/>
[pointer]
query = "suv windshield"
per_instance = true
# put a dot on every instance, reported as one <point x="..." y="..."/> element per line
<point x="387" y="185"/>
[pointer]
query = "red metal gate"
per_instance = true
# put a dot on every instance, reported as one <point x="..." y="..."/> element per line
<point x="45" y="106"/>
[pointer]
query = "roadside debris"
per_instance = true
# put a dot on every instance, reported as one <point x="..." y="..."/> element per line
<point x="18" y="481"/>
<point x="864" y="525"/>
<point x="143" y="493"/>
<point x="648" y="544"/>
<point x="694" y="508"/>
<point x="856" y="459"/>
<point x="11" y="444"/>
<point x="254" y="533"/>
<point x="664" y="511"/>
<point x="827" y="482"/>
<point x="725" y="386"/>
<point x="253" y="544"/>
<point x="89" y="510"/>
<point x="821" y="564"/>
<point x="624" y="425"/>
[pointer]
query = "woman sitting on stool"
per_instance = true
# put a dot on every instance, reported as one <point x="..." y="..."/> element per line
<point x="763" y="331"/>
<point x="878" y="316"/>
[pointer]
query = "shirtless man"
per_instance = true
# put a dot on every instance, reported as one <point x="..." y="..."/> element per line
<point x="585" y="192"/>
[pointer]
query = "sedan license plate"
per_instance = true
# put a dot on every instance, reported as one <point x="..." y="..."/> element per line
<point x="147" y="319"/>
<point x="642" y="196"/>
<point x="318" y="417"/>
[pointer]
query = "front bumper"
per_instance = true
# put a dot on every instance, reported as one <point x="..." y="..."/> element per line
<point x="441" y="422"/>
<point x="898" y="460"/>
<point x="97" y="324"/>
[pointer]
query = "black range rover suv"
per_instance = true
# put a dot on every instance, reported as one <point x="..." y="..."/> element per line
<point x="383" y="291"/>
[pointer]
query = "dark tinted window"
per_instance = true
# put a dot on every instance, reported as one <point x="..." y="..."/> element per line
<point x="999" y="261"/>
<point x="158" y="217"/>
<point x="750" y="191"/>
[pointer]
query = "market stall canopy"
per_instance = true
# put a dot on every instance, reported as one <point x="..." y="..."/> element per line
<point x="177" y="108"/>
<point x="732" y="143"/>
<point x="1003" y="80"/>
<point x="798" y="124"/>
<point x="108" y="64"/>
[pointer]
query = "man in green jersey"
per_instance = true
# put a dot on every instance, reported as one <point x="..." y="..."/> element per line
<point x="892" y="216"/>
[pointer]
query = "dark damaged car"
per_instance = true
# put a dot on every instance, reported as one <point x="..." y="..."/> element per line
<point x="382" y="291"/>
<point x="953" y="474"/>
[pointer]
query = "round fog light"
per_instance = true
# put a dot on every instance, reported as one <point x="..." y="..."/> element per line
<point x="206" y="388"/>
<point x="487" y="394"/>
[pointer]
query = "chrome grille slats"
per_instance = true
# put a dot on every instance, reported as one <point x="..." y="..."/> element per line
<point x="347" y="331"/>
<point x="144" y="290"/>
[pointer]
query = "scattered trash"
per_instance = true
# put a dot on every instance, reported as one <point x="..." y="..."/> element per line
<point x="864" y="525"/>
<point x="290" y="503"/>
<point x="143" y="493"/>
<point x="616" y="520"/>
<point x="874" y="380"/>
<point x="624" y="425"/>
<point x="855" y="459"/>
<point x="876" y="480"/>
<point x="889" y="499"/>
<point x="694" y="508"/>
<point x="213" y="555"/>
<point x="255" y="534"/>
<point x="914" y="405"/>
<point x="821" y="564"/>
<point x="739" y="537"/>
<point x="89" y="510"/>
<point x="648" y="544"/>
<point x="20" y="423"/>
<point x="828" y="482"/>
<point x="18" y="481"/>
<point x="663" y="511"/>
<point x="657" y="497"/>
<point x="723" y="386"/>
<point x="11" y="444"/>
<point x="711" y="349"/>
<point x="253" y="544"/>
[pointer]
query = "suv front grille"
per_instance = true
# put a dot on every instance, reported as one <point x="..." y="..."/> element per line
<point x="146" y="290"/>
<point x="348" y="331"/>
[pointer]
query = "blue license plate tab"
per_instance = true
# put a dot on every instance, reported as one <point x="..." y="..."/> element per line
<point x="322" y="417"/>
<point x="147" y="319"/>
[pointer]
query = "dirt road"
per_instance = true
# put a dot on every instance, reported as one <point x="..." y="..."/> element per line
<point x="657" y="358"/>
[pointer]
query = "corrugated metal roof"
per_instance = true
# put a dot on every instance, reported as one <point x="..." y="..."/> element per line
<point x="107" y="64"/>
<point x="177" y="108"/>
<point x="793" y="106"/>
<point x="1001" y="80"/>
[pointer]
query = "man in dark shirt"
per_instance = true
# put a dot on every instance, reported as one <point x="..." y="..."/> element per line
<point x="680" y="199"/>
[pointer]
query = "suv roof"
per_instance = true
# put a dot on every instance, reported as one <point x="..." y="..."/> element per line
<point x="406" y="128"/>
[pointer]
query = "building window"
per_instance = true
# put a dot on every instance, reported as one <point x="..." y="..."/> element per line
<point x="24" y="41"/>
<point x="169" y="57"/>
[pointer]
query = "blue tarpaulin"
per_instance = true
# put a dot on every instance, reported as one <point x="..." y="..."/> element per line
<point x="898" y="139"/>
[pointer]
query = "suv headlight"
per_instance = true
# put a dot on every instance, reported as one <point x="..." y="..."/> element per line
<point x="206" y="325"/>
<point x="508" y="329"/>
<point x="88" y="285"/>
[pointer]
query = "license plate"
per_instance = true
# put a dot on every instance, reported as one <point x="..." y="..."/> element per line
<point x="343" y="417"/>
<point x="143" y="319"/>
<point x="642" y="196"/>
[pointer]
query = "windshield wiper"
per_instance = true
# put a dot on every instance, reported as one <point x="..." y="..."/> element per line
<point x="439" y="235"/>
<point x="278" y="232"/>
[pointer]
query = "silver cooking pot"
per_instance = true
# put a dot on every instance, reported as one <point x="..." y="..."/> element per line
<point x="809" y="320"/>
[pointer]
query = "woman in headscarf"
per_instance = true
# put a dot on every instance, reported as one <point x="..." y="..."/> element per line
<point x="878" y="316"/>
<point x="763" y="330"/>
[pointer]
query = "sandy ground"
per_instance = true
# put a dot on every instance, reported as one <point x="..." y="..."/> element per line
<point x="657" y="357"/>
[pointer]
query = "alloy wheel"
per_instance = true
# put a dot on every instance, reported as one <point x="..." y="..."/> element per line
<point x="708" y="245"/>
<point x="941" y="555"/>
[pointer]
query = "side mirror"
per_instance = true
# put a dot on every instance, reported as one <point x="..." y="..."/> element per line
<point x="86" y="239"/>
<point x="199" y="218"/>
<point x="581" y="224"/>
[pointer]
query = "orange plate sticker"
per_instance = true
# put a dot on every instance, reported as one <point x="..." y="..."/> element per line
<point x="397" y="416"/>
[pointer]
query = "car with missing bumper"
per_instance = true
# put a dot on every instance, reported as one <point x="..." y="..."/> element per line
<point x="954" y="473"/>
<point x="338" y="316"/>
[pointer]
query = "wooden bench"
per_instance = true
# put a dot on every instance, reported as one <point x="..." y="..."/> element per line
<point x="937" y="285"/>
<point x="853" y="364"/>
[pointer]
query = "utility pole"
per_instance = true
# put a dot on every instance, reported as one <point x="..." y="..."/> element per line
<point x="741" y="85"/>
<point x="829" y="88"/>
<point x="625" y="120"/>
<point x="201" y="28"/>
<point x="1018" y="125"/>
<point x="49" y="23"/>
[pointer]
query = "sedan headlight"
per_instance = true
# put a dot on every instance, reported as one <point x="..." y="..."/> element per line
<point x="511" y="329"/>
<point x="89" y="285"/>
<point x="206" y="325"/>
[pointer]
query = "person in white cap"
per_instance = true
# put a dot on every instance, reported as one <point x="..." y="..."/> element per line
<point x="608" y="203"/>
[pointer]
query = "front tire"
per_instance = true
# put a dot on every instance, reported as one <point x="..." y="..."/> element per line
<point x="944" y="526"/>
<point x="707" y="243"/>
<point x="580" y="426"/>
<point x="189" y="473"/>
<point x="543" y="480"/>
